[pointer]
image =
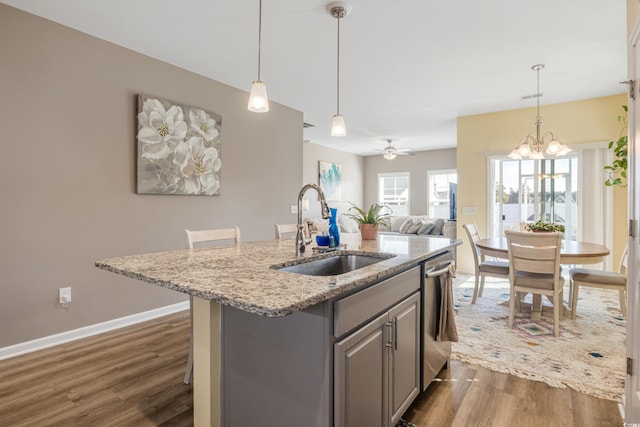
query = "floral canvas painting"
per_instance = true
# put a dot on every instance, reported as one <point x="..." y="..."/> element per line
<point x="178" y="148"/>
<point x="330" y="177"/>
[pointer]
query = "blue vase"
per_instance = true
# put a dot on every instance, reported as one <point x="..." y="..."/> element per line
<point x="334" y="230"/>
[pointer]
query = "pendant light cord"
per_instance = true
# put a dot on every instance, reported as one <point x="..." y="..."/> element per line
<point x="338" y="72"/>
<point x="259" y="37"/>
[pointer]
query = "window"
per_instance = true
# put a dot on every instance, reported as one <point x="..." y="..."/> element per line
<point x="393" y="191"/>
<point x="441" y="194"/>
<point x="527" y="190"/>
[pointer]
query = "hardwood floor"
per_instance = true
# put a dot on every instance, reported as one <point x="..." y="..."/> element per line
<point x="128" y="377"/>
<point x="468" y="395"/>
<point x="133" y="377"/>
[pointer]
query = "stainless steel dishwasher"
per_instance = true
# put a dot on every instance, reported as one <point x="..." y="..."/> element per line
<point x="434" y="354"/>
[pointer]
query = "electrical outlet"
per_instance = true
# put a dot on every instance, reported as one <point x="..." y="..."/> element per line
<point x="294" y="209"/>
<point x="64" y="295"/>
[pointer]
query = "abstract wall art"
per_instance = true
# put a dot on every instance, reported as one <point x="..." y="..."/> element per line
<point x="330" y="179"/>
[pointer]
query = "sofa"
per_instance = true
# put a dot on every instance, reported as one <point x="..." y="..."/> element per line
<point x="420" y="225"/>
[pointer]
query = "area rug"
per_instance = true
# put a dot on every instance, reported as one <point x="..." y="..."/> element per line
<point x="589" y="356"/>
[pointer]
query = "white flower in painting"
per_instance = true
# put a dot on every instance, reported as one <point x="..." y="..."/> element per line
<point x="160" y="129"/>
<point x="198" y="166"/>
<point x="202" y="124"/>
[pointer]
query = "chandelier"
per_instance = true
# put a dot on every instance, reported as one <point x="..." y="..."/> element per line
<point x="533" y="146"/>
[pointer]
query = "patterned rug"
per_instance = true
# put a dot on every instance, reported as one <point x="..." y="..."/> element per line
<point x="589" y="356"/>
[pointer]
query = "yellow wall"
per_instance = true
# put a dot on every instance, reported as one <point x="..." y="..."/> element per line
<point x="588" y="121"/>
<point x="633" y="13"/>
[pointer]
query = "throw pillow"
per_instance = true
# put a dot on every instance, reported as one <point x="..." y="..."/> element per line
<point x="347" y="225"/>
<point x="396" y="222"/>
<point x="409" y="225"/>
<point x="426" y="225"/>
<point x="414" y="228"/>
<point x="437" y="228"/>
<point x="320" y="224"/>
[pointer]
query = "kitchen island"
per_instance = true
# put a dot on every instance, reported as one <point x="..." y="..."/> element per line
<point x="263" y="338"/>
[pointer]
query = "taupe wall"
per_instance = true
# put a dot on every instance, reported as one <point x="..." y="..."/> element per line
<point x="352" y="175"/>
<point x="68" y="174"/>
<point x="417" y="166"/>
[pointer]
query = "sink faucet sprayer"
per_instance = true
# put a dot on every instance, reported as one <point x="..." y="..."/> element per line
<point x="324" y="211"/>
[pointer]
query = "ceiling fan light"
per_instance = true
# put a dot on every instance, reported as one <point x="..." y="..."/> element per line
<point x="390" y="153"/>
<point x="338" y="127"/>
<point x="258" y="100"/>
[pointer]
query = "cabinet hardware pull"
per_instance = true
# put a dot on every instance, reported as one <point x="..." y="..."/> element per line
<point x="391" y="334"/>
<point x="395" y="332"/>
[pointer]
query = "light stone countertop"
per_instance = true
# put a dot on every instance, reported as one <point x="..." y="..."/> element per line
<point x="241" y="276"/>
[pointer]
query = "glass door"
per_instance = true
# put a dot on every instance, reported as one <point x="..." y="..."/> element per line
<point x="528" y="190"/>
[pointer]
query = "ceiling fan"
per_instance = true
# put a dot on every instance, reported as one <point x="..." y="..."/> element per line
<point x="390" y="152"/>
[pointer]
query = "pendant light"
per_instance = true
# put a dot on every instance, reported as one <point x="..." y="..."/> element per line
<point x="533" y="147"/>
<point x="258" y="100"/>
<point x="338" y="9"/>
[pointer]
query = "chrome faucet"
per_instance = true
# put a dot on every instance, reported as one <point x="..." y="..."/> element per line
<point x="301" y="243"/>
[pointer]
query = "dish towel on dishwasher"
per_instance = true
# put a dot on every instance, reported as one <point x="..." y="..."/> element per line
<point x="447" y="330"/>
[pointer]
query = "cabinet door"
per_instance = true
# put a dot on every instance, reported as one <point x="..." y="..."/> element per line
<point x="361" y="376"/>
<point x="404" y="362"/>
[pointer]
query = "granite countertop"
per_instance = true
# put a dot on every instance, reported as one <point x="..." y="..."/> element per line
<point x="241" y="275"/>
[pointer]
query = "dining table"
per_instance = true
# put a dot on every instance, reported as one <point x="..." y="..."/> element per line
<point x="572" y="253"/>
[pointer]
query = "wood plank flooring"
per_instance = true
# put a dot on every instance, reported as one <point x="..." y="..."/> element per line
<point x="133" y="377"/>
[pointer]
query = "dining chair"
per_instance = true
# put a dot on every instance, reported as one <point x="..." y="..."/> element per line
<point x="600" y="279"/>
<point x="534" y="267"/>
<point x="484" y="267"/>
<point x="207" y="237"/>
<point x="285" y="231"/>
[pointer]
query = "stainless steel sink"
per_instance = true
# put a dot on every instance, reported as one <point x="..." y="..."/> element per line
<point x="333" y="265"/>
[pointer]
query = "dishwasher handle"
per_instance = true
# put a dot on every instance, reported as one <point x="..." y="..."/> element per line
<point x="448" y="267"/>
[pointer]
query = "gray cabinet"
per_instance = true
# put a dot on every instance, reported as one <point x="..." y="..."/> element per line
<point x="352" y="361"/>
<point x="404" y="364"/>
<point x="377" y="368"/>
<point x="360" y="384"/>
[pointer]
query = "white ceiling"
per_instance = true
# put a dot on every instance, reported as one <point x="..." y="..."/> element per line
<point x="408" y="67"/>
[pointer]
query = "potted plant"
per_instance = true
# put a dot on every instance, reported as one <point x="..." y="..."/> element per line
<point x="617" y="170"/>
<point x="542" y="226"/>
<point x="369" y="221"/>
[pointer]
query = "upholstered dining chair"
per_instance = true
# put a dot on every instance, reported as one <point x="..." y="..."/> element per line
<point x="600" y="279"/>
<point x="534" y="267"/>
<point x="484" y="267"/>
<point x="284" y="231"/>
<point x="207" y="237"/>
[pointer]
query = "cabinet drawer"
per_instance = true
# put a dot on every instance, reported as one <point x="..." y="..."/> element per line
<point x="355" y="309"/>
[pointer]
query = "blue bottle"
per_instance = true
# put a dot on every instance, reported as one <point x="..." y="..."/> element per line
<point x="334" y="230"/>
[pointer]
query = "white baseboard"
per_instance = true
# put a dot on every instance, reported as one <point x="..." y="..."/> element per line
<point x="87" y="331"/>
